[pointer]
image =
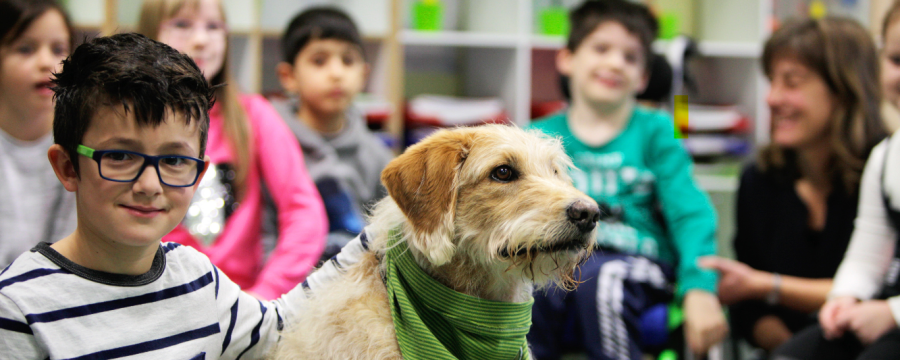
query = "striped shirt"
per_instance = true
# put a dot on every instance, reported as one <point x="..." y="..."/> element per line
<point x="183" y="308"/>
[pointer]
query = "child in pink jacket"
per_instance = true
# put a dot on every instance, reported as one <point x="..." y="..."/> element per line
<point x="251" y="149"/>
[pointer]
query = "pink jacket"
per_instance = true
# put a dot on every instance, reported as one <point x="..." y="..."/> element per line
<point x="302" y="222"/>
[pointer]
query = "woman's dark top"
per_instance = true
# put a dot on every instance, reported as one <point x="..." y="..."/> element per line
<point x="772" y="234"/>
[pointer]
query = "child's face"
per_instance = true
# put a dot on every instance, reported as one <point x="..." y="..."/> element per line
<point x="27" y="63"/>
<point x="800" y="102"/>
<point x="890" y="64"/>
<point x="199" y="32"/>
<point x="326" y="74"/>
<point x="608" y="66"/>
<point x="134" y="213"/>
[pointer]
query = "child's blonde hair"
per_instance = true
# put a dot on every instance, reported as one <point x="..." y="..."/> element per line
<point x="237" y="127"/>
<point x="893" y="13"/>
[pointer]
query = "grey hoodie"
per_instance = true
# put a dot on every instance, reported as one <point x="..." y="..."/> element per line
<point x="355" y="156"/>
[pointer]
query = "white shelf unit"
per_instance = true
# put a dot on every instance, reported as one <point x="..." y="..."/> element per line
<point x="481" y="51"/>
<point x="458" y="38"/>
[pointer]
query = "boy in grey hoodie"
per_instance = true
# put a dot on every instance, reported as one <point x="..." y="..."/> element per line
<point x="324" y="66"/>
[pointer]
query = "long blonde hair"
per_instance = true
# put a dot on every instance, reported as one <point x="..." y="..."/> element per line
<point x="841" y="52"/>
<point x="889" y="17"/>
<point x="237" y="127"/>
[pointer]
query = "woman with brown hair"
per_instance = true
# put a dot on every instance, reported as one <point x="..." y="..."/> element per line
<point x="797" y="203"/>
<point x="860" y="319"/>
<point x="250" y="147"/>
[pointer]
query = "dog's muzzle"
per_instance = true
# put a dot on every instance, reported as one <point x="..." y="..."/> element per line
<point x="584" y="216"/>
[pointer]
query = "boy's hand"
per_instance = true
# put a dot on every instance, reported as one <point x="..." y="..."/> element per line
<point x="737" y="281"/>
<point x="704" y="322"/>
<point x="833" y="310"/>
<point x="869" y="320"/>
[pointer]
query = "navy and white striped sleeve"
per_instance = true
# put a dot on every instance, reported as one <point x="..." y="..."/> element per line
<point x="16" y="339"/>
<point x="250" y="325"/>
<point x="294" y="301"/>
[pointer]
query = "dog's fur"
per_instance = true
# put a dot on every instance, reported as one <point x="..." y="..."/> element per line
<point x="464" y="226"/>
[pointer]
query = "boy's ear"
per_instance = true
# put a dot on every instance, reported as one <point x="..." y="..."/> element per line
<point x="564" y="61"/>
<point x="645" y="80"/>
<point x="203" y="172"/>
<point x="62" y="166"/>
<point x="285" y="72"/>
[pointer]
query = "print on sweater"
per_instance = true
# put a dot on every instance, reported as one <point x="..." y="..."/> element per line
<point x="212" y="205"/>
<point x="604" y="177"/>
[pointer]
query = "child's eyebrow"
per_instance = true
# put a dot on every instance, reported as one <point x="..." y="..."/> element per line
<point x="120" y="141"/>
<point x="132" y="144"/>
<point x="176" y="145"/>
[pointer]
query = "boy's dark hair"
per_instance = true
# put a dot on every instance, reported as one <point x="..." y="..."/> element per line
<point x="144" y="76"/>
<point x="659" y="85"/>
<point x="17" y="15"/>
<point x="318" y="23"/>
<point x="636" y="18"/>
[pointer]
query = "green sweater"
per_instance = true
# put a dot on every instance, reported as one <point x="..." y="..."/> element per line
<point x="651" y="205"/>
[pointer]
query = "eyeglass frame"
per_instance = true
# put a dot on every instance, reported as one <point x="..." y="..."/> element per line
<point x="97" y="155"/>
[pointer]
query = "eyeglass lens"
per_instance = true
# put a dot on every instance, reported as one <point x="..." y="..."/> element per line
<point x="173" y="170"/>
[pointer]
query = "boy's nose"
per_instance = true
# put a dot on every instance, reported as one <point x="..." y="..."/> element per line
<point x="336" y="68"/>
<point x="774" y="96"/>
<point x="199" y="37"/>
<point x="47" y="59"/>
<point x="148" y="183"/>
<point x="616" y="59"/>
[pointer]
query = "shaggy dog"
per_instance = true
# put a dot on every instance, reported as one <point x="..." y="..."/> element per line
<point x="486" y="211"/>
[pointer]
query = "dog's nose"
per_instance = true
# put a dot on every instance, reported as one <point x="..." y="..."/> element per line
<point x="583" y="214"/>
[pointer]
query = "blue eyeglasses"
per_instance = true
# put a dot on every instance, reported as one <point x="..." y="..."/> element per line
<point x="127" y="166"/>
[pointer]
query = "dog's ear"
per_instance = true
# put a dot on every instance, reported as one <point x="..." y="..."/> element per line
<point x="423" y="182"/>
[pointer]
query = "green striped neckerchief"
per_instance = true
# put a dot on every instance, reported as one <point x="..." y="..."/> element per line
<point x="433" y="321"/>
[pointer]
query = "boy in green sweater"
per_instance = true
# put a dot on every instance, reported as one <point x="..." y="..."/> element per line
<point x="655" y="221"/>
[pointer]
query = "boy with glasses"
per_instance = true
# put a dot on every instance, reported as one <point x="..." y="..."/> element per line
<point x="130" y="134"/>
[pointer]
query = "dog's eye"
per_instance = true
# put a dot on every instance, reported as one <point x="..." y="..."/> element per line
<point x="503" y="173"/>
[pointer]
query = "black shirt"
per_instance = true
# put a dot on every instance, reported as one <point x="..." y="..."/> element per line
<point x="772" y="234"/>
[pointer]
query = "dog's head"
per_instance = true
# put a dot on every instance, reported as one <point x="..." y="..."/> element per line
<point x="496" y="197"/>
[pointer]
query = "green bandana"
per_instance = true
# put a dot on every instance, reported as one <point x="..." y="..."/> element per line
<point x="434" y="322"/>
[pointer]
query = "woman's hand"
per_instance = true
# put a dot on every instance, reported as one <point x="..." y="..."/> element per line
<point x="831" y="312"/>
<point x="737" y="281"/>
<point x="704" y="322"/>
<point x="869" y="320"/>
<point x="769" y="332"/>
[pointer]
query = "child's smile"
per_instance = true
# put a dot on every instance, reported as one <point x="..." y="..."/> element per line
<point x="610" y="81"/>
<point x="143" y="211"/>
